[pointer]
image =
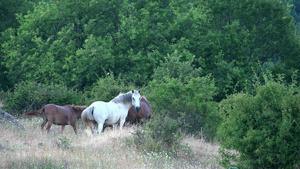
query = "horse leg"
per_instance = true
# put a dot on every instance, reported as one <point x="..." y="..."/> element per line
<point x="43" y="124"/>
<point x="44" y="118"/>
<point x="62" y="128"/>
<point x="92" y="129"/>
<point x="74" y="127"/>
<point x="115" y="126"/>
<point x="100" y="127"/>
<point x="122" y="121"/>
<point x="100" y="122"/>
<point x="49" y="126"/>
<point x="91" y="126"/>
<point x="95" y="126"/>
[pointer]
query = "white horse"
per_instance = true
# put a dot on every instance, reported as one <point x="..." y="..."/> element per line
<point x="112" y="112"/>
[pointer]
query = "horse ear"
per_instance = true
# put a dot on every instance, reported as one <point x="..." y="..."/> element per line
<point x="139" y="91"/>
<point x="132" y="91"/>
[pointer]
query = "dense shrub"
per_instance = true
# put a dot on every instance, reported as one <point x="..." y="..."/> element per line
<point x="178" y="90"/>
<point x="263" y="128"/>
<point x="162" y="134"/>
<point x="29" y="96"/>
<point x="192" y="100"/>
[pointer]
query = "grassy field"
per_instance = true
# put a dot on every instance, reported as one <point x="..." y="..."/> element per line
<point x="112" y="149"/>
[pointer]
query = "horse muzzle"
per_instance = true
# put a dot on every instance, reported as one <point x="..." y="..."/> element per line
<point x="137" y="108"/>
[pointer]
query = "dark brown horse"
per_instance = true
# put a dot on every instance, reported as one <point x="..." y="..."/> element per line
<point x="145" y="112"/>
<point x="59" y="115"/>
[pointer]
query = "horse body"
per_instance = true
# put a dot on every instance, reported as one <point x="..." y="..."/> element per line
<point x="112" y="112"/>
<point x="59" y="115"/>
<point x="135" y="117"/>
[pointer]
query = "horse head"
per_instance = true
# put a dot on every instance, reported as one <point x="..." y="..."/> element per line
<point x="136" y="99"/>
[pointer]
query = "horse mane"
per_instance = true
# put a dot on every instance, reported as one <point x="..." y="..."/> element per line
<point x="144" y="97"/>
<point x="122" y="97"/>
<point x="77" y="108"/>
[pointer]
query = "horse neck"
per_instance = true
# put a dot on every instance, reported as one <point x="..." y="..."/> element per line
<point x="146" y="108"/>
<point x="124" y="99"/>
<point x="126" y="105"/>
<point x="144" y="100"/>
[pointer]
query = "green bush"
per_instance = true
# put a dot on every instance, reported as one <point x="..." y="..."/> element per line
<point x="178" y="90"/>
<point x="263" y="128"/>
<point x="105" y="89"/>
<point x="161" y="134"/>
<point x="30" y="96"/>
<point x="192" y="100"/>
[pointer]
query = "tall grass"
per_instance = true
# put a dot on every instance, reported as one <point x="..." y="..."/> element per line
<point x="36" y="149"/>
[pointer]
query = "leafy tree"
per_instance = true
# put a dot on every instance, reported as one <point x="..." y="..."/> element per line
<point x="76" y="42"/>
<point x="294" y="6"/>
<point x="9" y="10"/>
<point x="240" y="36"/>
<point x="58" y="40"/>
<point x="148" y="32"/>
<point x="49" y="39"/>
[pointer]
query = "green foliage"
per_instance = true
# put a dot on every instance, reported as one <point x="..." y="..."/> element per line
<point x="174" y="67"/>
<point x="29" y="96"/>
<point x="8" y="21"/>
<point x="294" y="7"/>
<point x="262" y="128"/>
<point x="161" y="134"/>
<point x="74" y="42"/>
<point x="94" y="60"/>
<point x="45" y="45"/>
<point x="105" y="89"/>
<point x="9" y="9"/>
<point x="178" y="90"/>
<point x="239" y="35"/>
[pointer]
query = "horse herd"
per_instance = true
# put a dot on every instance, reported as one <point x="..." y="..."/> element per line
<point x="128" y="107"/>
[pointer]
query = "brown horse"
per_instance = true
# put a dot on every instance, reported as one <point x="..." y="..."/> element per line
<point x="145" y="112"/>
<point x="59" y="115"/>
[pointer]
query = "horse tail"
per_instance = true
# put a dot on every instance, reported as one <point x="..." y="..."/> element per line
<point x="34" y="113"/>
<point x="87" y="114"/>
<point x="44" y="114"/>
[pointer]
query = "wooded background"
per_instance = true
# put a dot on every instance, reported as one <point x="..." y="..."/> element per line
<point x="207" y="63"/>
<point x="77" y="42"/>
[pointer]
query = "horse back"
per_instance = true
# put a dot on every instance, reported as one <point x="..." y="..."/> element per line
<point x="58" y="110"/>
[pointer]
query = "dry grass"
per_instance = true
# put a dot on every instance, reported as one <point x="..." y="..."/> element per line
<point x="36" y="149"/>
